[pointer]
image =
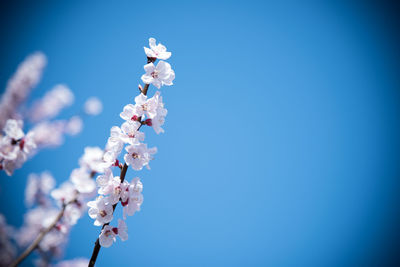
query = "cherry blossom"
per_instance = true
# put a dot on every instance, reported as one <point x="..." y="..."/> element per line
<point x="138" y="155"/>
<point x="156" y="51"/>
<point x="133" y="199"/>
<point x="159" y="75"/>
<point x="108" y="234"/>
<point x="101" y="210"/>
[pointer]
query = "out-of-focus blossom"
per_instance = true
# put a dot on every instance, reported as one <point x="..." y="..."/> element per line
<point x="79" y="262"/>
<point x="49" y="134"/>
<point x="74" y="125"/>
<point x="82" y="181"/>
<point x="20" y="85"/>
<point x="37" y="188"/>
<point x="52" y="103"/>
<point x="92" y="159"/>
<point x="93" y="106"/>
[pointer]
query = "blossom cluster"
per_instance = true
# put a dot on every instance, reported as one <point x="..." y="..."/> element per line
<point x="15" y="146"/>
<point x="144" y="112"/>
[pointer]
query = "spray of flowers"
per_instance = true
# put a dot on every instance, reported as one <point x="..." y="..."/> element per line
<point x="64" y="205"/>
<point x="116" y="189"/>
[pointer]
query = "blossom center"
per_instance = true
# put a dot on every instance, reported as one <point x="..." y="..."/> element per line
<point x="103" y="213"/>
<point x="135" y="155"/>
<point x="154" y="74"/>
<point x="107" y="233"/>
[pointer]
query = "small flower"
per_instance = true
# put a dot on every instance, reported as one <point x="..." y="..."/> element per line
<point x="101" y="210"/>
<point x="131" y="135"/>
<point x="108" y="234"/>
<point x="156" y="51"/>
<point x="139" y="155"/>
<point x="159" y="75"/>
<point x="134" y="198"/>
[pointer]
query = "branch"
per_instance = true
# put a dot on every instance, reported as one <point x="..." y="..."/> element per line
<point x="97" y="246"/>
<point x="44" y="232"/>
<point x="40" y="237"/>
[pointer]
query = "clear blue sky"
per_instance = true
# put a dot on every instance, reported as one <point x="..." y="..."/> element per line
<point x="282" y="138"/>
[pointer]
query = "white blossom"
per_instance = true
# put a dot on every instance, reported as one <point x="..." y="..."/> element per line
<point x="101" y="210"/>
<point x="159" y="75"/>
<point x="108" y="234"/>
<point x="138" y="155"/>
<point x="133" y="198"/>
<point x="158" y="117"/>
<point x="156" y="51"/>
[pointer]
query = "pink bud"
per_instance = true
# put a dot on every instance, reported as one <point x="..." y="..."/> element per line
<point x="149" y="122"/>
<point x="134" y="118"/>
<point x="21" y="144"/>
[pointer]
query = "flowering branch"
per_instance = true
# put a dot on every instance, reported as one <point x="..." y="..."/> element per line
<point x="112" y="190"/>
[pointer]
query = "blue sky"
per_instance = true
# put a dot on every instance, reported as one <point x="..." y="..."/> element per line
<point x="281" y="145"/>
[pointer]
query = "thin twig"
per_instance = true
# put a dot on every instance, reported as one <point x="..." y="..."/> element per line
<point x="40" y="237"/>
<point x="43" y="233"/>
